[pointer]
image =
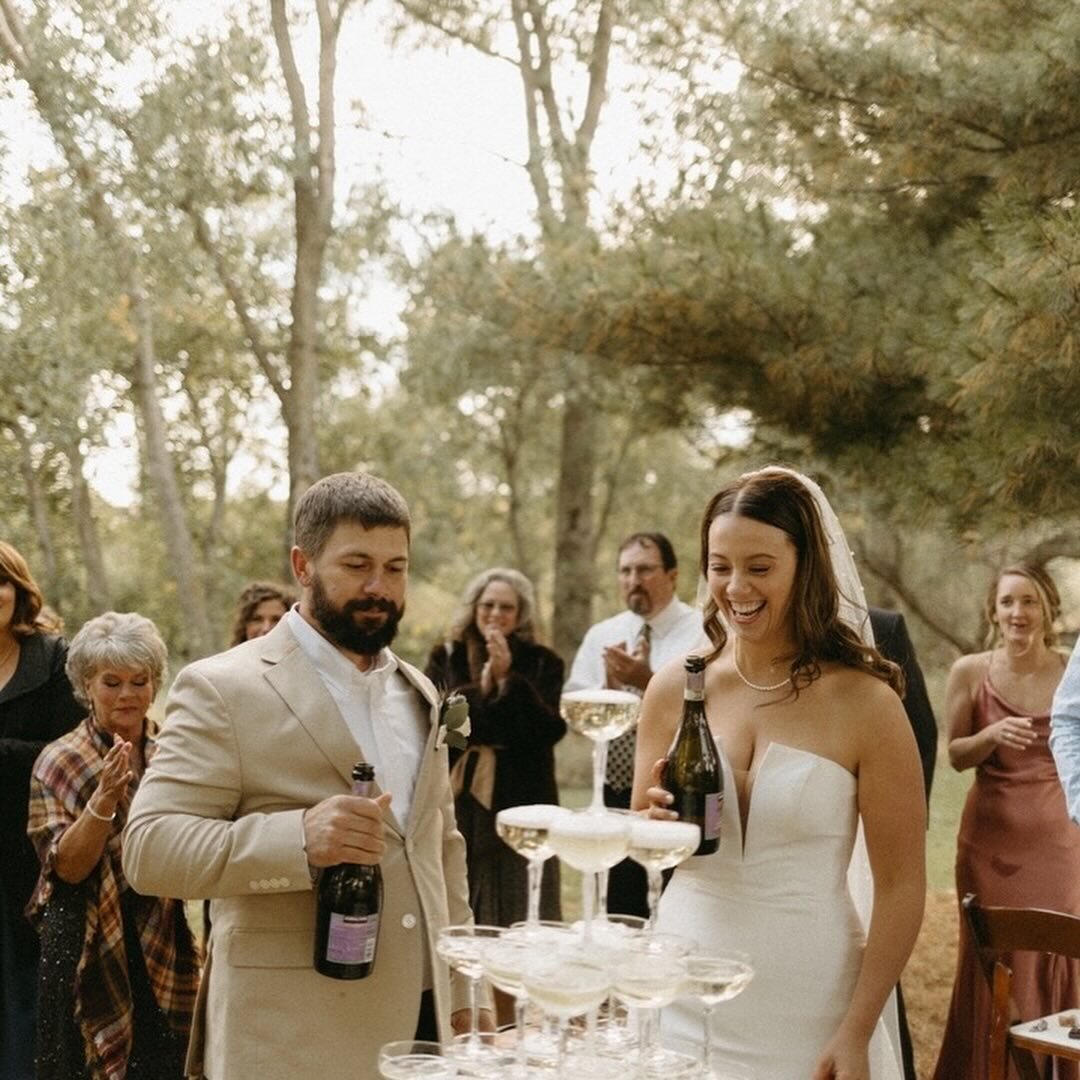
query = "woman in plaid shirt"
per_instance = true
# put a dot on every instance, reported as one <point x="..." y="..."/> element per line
<point x="119" y="971"/>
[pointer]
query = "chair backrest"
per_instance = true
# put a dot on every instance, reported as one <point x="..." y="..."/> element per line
<point x="1003" y="929"/>
<point x="997" y="930"/>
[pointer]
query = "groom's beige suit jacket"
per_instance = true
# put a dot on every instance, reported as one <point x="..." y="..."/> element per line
<point x="252" y="738"/>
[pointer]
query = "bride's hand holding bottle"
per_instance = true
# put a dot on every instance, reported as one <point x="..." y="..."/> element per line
<point x="660" y="799"/>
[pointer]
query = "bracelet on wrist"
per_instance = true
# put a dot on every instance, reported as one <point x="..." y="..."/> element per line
<point x="101" y="817"/>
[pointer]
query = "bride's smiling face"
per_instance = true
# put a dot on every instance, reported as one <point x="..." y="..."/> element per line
<point x="751" y="576"/>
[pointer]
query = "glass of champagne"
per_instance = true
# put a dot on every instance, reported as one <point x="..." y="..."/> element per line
<point x="565" y="985"/>
<point x="591" y="843"/>
<point x="600" y="715"/>
<point x="616" y="1035"/>
<point x="525" y="830"/>
<point x="647" y="974"/>
<point x="410" y="1059"/>
<point x="505" y="958"/>
<point x="658" y="846"/>
<point x="461" y="947"/>
<point x="712" y="978"/>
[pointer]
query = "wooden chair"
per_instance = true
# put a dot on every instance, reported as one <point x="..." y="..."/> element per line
<point x="997" y="930"/>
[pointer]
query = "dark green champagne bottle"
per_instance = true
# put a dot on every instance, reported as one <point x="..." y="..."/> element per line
<point x="347" y="915"/>
<point x="692" y="773"/>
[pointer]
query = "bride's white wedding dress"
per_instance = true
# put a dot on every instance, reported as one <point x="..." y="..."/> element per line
<point x="780" y="894"/>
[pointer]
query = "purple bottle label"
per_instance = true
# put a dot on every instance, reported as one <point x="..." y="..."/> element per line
<point x="714" y="804"/>
<point x="351" y="939"/>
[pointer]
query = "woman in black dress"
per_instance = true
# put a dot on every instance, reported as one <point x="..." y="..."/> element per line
<point x="36" y="705"/>
<point x="119" y="971"/>
<point x="512" y="684"/>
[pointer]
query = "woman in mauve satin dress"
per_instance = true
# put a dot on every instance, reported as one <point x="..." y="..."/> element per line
<point x="1016" y="846"/>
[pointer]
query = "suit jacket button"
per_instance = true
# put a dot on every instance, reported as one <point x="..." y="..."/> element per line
<point x="265" y="883"/>
<point x="254" y="885"/>
<point x="408" y="921"/>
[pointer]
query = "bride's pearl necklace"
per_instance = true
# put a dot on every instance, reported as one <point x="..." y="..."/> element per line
<point x="757" y="686"/>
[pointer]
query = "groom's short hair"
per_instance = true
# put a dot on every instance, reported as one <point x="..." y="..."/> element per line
<point x="355" y="497"/>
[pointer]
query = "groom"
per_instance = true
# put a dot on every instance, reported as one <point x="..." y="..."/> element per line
<point x="248" y="798"/>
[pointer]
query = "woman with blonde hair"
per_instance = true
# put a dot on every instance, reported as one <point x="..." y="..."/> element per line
<point x="1016" y="846"/>
<point x="36" y="705"/>
<point x="119" y="970"/>
<point x="512" y="684"/>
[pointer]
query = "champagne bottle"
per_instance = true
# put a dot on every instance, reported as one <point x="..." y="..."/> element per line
<point x="692" y="772"/>
<point x="348" y="903"/>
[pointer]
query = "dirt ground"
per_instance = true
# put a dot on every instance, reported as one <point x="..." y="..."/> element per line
<point x="928" y="979"/>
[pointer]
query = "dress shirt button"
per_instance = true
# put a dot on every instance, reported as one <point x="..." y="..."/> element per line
<point x="408" y="921"/>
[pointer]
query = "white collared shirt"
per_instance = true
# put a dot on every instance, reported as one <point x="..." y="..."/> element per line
<point x="674" y="632"/>
<point x="380" y="707"/>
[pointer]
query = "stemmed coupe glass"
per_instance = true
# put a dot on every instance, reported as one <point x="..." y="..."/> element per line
<point x="712" y="978"/>
<point x="410" y="1059"/>
<point x="648" y="973"/>
<point x="461" y="947"/>
<point x="589" y="842"/>
<point x="565" y="985"/>
<point x="525" y="830"/>
<point x="658" y="846"/>
<point x="600" y="715"/>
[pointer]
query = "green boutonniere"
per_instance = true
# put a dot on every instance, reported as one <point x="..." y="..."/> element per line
<point x="454" y="726"/>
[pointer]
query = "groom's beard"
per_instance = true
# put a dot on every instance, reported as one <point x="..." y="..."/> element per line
<point x="356" y="625"/>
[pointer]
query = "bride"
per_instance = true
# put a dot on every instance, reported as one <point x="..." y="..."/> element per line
<point x="813" y="740"/>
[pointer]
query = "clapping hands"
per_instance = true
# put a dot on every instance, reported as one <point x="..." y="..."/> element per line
<point x="497" y="666"/>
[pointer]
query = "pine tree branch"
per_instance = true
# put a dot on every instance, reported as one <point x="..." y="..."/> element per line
<point x="889" y="576"/>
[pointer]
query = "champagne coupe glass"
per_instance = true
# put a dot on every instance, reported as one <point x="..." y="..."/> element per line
<point x="600" y="715"/>
<point x="647" y="974"/>
<point x="610" y="933"/>
<point x="460" y="946"/>
<point x="712" y="978"/>
<point x="525" y="830"/>
<point x="589" y="842"/>
<point x="565" y="985"/>
<point x="658" y="846"/>
<point x="504" y="959"/>
<point x="410" y="1059"/>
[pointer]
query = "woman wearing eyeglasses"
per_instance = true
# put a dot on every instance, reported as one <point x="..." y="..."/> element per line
<point x="512" y="684"/>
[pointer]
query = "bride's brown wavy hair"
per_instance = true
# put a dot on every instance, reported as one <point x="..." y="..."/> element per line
<point x="778" y="498"/>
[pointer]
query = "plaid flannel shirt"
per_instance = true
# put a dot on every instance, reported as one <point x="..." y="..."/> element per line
<point x="65" y="776"/>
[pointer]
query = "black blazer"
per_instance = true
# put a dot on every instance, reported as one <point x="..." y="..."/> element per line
<point x="893" y="642"/>
<point x="522" y="722"/>
<point x="36" y="706"/>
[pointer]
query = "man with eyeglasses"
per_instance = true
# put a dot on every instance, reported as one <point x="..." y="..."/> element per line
<point x="623" y="652"/>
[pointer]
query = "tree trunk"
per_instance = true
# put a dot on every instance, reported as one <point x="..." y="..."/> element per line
<point x="574" y="521"/>
<point x="97" y="580"/>
<point x="49" y="572"/>
<point x="159" y="466"/>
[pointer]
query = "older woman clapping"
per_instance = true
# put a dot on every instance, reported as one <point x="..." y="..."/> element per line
<point x="119" y="971"/>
